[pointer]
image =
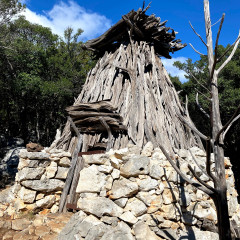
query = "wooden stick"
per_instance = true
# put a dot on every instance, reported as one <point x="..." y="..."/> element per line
<point x="200" y="107"/>
<point x="109" y="144"/>
<point x="196" y="50"/>
<point x="197" y="34"/>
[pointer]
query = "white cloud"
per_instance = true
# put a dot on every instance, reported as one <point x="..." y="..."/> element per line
<point x="70" y="14"/>
<point x="168" y="64"/>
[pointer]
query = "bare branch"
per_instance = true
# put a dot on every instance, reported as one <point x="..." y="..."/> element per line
<point x="200" y="180"/>
<point x="217" y="22"/>
<point x="197" y="34"/>
<point x="203" y="95"/>
<point x="228" y="124"/>
<point x="230" y="56"/>
<point x="220" y="58"/>
<point x="198" y="82"/>
<point x="196" y="50"/>
<point x="74" y="126"/>
<point x="192" y="127"/>
<point x="234" y="120"/>
<point x="109" y="144"/>
<point x="200" y="107"/>
<point x="195" y="160"/>
<point x="195" y="184"/>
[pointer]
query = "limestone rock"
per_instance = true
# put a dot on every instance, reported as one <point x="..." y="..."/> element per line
<point x="147" y="149"/>
<point x="208" y="213"/>
<point x="128" y="217"/>
<point x="27" y="195"/>
<point x="121" y="202"/>
<point x="147" y="184"/>
<point x="32" y="163"/>
<point x="105" y="169"/>
<point x="143" y="232"/>
<point x="61" y="154"/>
<point x="34" y="147"/>
<point x="33" y="155"/>
<point x="121" y="232"/>
<point x="156" y="171"/>
<point x="51" y="170"/>
<point x="99" y="206"/>
<point x="30" y="173"/>
<point x="91" y="180"/>
<point x="123" y="188"/>
<point x="46" y="202"/>
<point x="46" y="185"/>
<point x="62" y="173"/>
<point x="97" y="231"/>
<point x="135" y="166"/>
<point x="110" y="220"/>
<point x="136" y="206"/>
<point x="72" y="227"/>
<point x="115" y="174"/>
<point x="101" y="159"/>
<point x="65" y="162"/>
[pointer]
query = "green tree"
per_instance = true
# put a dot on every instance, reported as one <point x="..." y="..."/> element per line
<point x="41" y="75"/>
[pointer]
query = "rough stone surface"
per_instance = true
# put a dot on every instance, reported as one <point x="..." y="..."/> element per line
<point x="46" y="185"/>
<point x="30" y="173"/>
<point x="46" y="202"/>
<point x="143" y="232"/>
<point x="33" y="155"/>
<point x="135" y="166"/>
<point x="121" y="232"/>
<point x="123" y="188"/>
<point x="136" y="206"/>
<point x="100" y="206"/>
<point x="128" y="217"/>
<point x="61" y="173"/>
<point x="27" y="195"/>
<point x="91" y="180"/>
<point x="51" y="170"/>
<point x="147" y="184"/>
<point x="65" y="162"/>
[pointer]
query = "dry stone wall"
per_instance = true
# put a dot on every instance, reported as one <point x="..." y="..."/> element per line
<point x="130" y="193"/>
<point x="136" y="194"/>
<point x="39" y="181"/>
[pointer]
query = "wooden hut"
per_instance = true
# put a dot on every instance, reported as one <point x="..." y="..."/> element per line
<point x="128" y="96"/>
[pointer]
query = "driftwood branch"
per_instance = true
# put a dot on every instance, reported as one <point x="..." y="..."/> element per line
<point x="196" y="50"/>
<point x="200" y="180"/>
<point x="200" y="107"/>
<point x="109" y="144"/>
<point x="198" y="81"/>
<point x="230" y="56"/>
<point x="195" y="184"/>
<point x="229" y="126"/>
<point x="229" y="123"/>
<point x="203" y="94"/>
<point x="197" y="34"/>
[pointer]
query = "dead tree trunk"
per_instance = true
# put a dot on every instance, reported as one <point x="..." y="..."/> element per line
<point x="216" y="137"/>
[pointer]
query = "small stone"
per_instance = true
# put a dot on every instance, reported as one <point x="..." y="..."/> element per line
<point x="99" y="159"/>
<point x="147" y="150"/>
<point x="54" y="208"/>
<point x="115" y="174"/>
<point x="40" y="196"/>
<point x="123" y="188"/>
<point x="143" y="232"/>
<point x="61" y="154"/>
<point x="65" y="162"/>
<point x="136" y="206"/>
<point x="51" y="170"/>
<point x="128" y="217"/>
<point x="121" y="202"/>
<point x="99" y="206"/>
<point x="105" y="169"/>
<point x="30" y="173"/>
<point x="34" y="147"/>
<point x="33" y="155"/>
<point x="135" y="166"/>
<point x="27" y="195"/>
<point x="46" y="202"/>
<point x="110" y="220"/>
<point x="42" y="230"/>
<point x="147" y="184"/>
<point x="61" y="173"/>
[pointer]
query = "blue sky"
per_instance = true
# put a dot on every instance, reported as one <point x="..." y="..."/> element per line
<point x="96" y="16"/>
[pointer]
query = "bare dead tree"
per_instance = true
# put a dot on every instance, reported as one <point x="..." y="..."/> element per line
<point x="214" y="142"/>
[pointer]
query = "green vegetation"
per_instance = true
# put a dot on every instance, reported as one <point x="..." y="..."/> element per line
<point x="40" y="75"/>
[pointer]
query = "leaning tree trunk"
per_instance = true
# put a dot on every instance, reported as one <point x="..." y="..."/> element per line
<point x="136" y="83"/>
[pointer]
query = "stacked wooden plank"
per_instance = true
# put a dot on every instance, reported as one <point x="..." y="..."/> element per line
<point x="87" y="117"/>
<point x="138" y="26"/>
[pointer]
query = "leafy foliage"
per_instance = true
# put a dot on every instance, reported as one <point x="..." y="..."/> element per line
<point x="41" y="75"/>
